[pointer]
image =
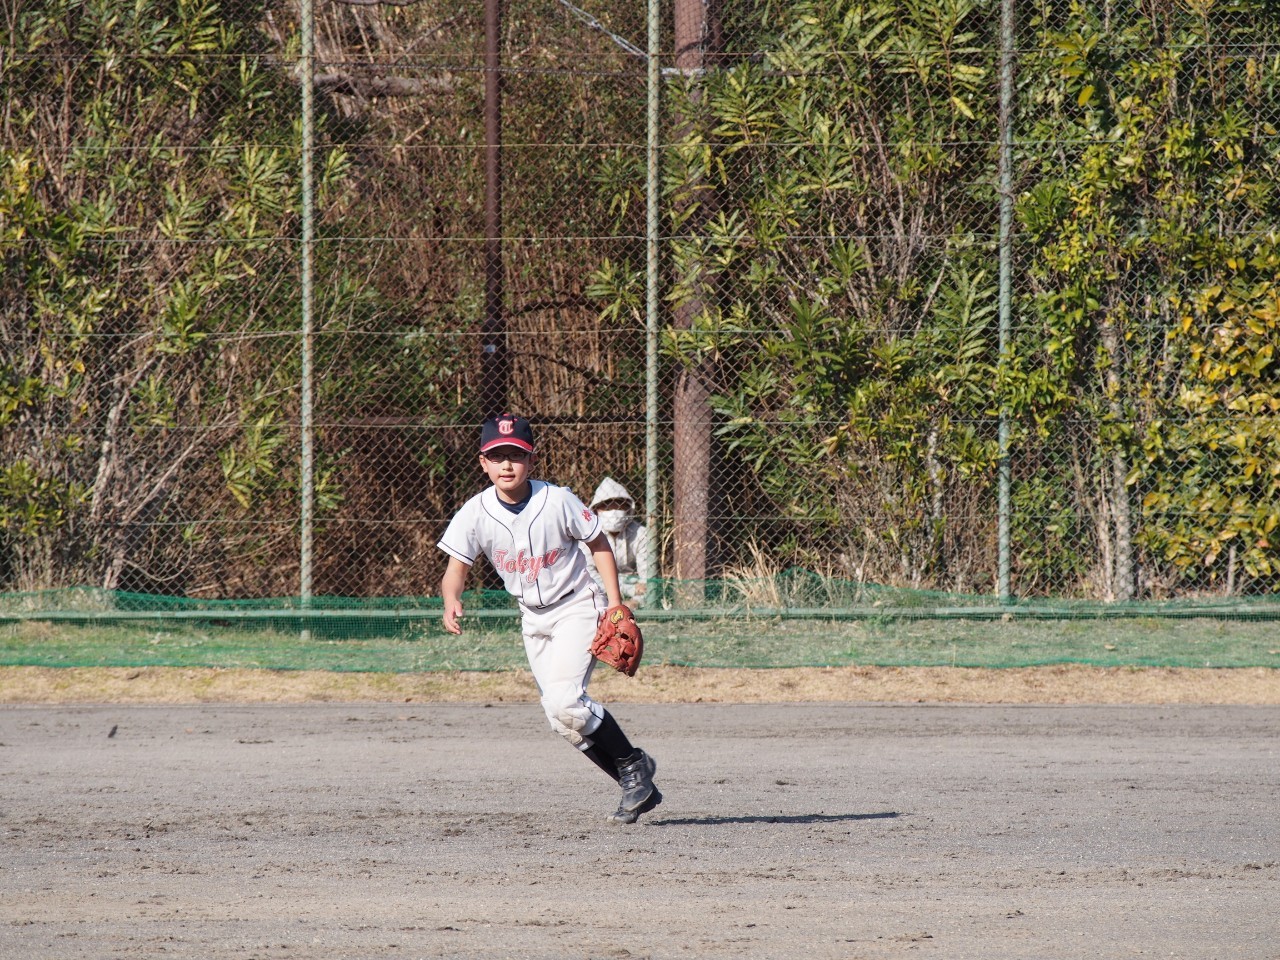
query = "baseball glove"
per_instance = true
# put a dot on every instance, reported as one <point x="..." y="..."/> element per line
<point x="618" y="641"/>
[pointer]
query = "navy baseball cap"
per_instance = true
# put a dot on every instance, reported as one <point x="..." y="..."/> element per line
<point x="506" y="430"/>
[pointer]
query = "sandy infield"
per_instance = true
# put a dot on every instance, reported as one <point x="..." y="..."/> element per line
<point x="188" y="820"/>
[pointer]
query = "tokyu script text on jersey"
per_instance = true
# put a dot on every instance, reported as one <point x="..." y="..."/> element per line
<point x="528" y="567"/>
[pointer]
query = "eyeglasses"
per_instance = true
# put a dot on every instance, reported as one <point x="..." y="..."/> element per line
<point x="512" y="456"/>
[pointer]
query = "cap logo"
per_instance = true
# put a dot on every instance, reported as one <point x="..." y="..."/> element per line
<point x="506" y="429"/>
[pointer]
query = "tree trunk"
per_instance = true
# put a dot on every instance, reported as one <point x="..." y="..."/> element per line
<point x="937" y="569"/>
<point x="691" y="405"/>
<point x="692" y="479"/>
<point x="1121" y="585"/>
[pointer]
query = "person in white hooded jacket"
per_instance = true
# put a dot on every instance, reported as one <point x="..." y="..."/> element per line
<point x="627" y="536"/>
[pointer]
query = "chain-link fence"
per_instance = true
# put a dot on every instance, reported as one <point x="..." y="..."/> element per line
<point x="964" y="298"/>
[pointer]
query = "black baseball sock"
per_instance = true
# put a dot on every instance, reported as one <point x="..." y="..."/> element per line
<point x="611" y="741"/>
<point x="602" y="760"/>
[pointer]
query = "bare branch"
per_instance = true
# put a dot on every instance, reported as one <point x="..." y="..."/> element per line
<point x="565" y="302"/>
<point x="346" y="84"/>
<point x="377" y="3"/>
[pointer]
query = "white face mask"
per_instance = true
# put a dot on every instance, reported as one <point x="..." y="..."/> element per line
<point x="613" y="521"/>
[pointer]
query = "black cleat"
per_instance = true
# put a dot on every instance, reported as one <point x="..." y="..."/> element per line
<point x="622" y="815"/>
<point x="635" y="775"/>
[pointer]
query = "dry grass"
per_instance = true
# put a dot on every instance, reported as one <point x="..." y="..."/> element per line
<point x="658" y="684"/>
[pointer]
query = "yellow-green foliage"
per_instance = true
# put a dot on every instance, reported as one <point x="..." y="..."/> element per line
<point x="1214" y="472"/>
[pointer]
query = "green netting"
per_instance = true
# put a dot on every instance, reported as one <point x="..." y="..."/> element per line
<point x="794" y="619"/>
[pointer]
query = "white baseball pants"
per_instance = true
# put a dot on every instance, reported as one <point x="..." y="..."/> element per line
<point x="557" y="641"/>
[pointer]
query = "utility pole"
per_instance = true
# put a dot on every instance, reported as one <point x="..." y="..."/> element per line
<point x="495" y="365"/>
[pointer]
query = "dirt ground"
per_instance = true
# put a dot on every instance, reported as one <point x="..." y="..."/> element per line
<point x="661" y="684"/>
<point x="361" y="829"/>
<point x="1060" y="812"/>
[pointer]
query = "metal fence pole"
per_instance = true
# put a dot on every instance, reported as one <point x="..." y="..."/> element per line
<point x="651" y="297"/>
<point x="1006" y="281"/>
<point x="308" y="235"/>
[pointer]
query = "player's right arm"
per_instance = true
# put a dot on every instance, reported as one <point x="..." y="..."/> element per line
<point x="452" y="584"/>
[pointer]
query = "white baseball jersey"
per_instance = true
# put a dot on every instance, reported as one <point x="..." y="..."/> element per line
<point x="535" y="551"/>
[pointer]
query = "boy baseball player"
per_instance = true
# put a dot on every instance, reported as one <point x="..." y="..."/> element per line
<point x="529" y="530"/>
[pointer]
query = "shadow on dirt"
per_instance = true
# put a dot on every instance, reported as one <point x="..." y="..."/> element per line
<point x="776" y="818"/>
